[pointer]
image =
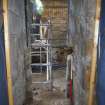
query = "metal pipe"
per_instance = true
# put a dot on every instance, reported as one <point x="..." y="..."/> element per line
<point x="35" y="34"/>
<point x="34" y="24"/>
<point x="43" y="82"/>
<point x="47" y="63"/>
<point x="52" y="39"/>
<point x="43" y="43"/>
<point x="69" y="78"/>
<point x="47" y="45"/>
<point x="40" y="64"/>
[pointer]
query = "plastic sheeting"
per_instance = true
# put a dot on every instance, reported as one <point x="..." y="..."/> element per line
<point x="100" y="89"/>
<point x="3" y="81"/>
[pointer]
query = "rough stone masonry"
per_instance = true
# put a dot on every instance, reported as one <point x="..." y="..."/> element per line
<point x="81" y="31"/>
<point x="17" y="32"/>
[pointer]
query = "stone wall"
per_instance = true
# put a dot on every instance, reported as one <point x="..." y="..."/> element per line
<point x="28" y="5"/>
<point x="81" y="31"/>
<point x="17" y="32"/>
<point x="58" y="12"/>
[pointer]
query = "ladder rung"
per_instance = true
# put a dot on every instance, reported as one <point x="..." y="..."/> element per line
<point x="46" y="38"/>
<point x="47" y="45"/>
<point x="34" y="24"/>
<point x="35" y="34"/>
<point x="35" y="52"/>
<point x="40" y="45"/>
<point x="39" y="40"/>
<point x="44" y="82"/>
<point x="40" y="64"/>
<point x="36" y="73"/>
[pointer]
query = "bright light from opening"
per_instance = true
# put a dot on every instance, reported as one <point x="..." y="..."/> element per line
<point x="39" y="6"/>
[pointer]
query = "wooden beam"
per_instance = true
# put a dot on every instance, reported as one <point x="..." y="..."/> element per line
<point x="7" y="51"/>
<point x="55" y="7"/>
<point x="94" y="55"/>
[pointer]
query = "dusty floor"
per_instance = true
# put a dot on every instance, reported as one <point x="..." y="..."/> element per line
<point x="42" y="95"/>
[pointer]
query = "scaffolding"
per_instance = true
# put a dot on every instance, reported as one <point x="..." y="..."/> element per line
<point x="41" y="45"/>
<point x="40" y="48"/>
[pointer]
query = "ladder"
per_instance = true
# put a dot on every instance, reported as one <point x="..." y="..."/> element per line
<point x="40" y="49"/>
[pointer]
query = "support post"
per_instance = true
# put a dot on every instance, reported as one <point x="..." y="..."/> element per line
<point x="7" y="51"/>
<point x="94" y="54"/>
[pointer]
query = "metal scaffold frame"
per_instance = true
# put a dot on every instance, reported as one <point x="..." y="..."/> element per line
<point x="42" y="43"/>
<point x="46" y="42"/>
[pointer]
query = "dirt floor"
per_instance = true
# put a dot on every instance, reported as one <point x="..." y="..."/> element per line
<point x="43" y="95"/>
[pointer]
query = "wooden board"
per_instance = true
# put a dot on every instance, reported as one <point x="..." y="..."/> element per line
<point x="94" y="54"/>
<point x="7" y="51"/>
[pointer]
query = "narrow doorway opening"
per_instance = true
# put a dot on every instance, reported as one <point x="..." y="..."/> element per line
<point x="48" y="42"/>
